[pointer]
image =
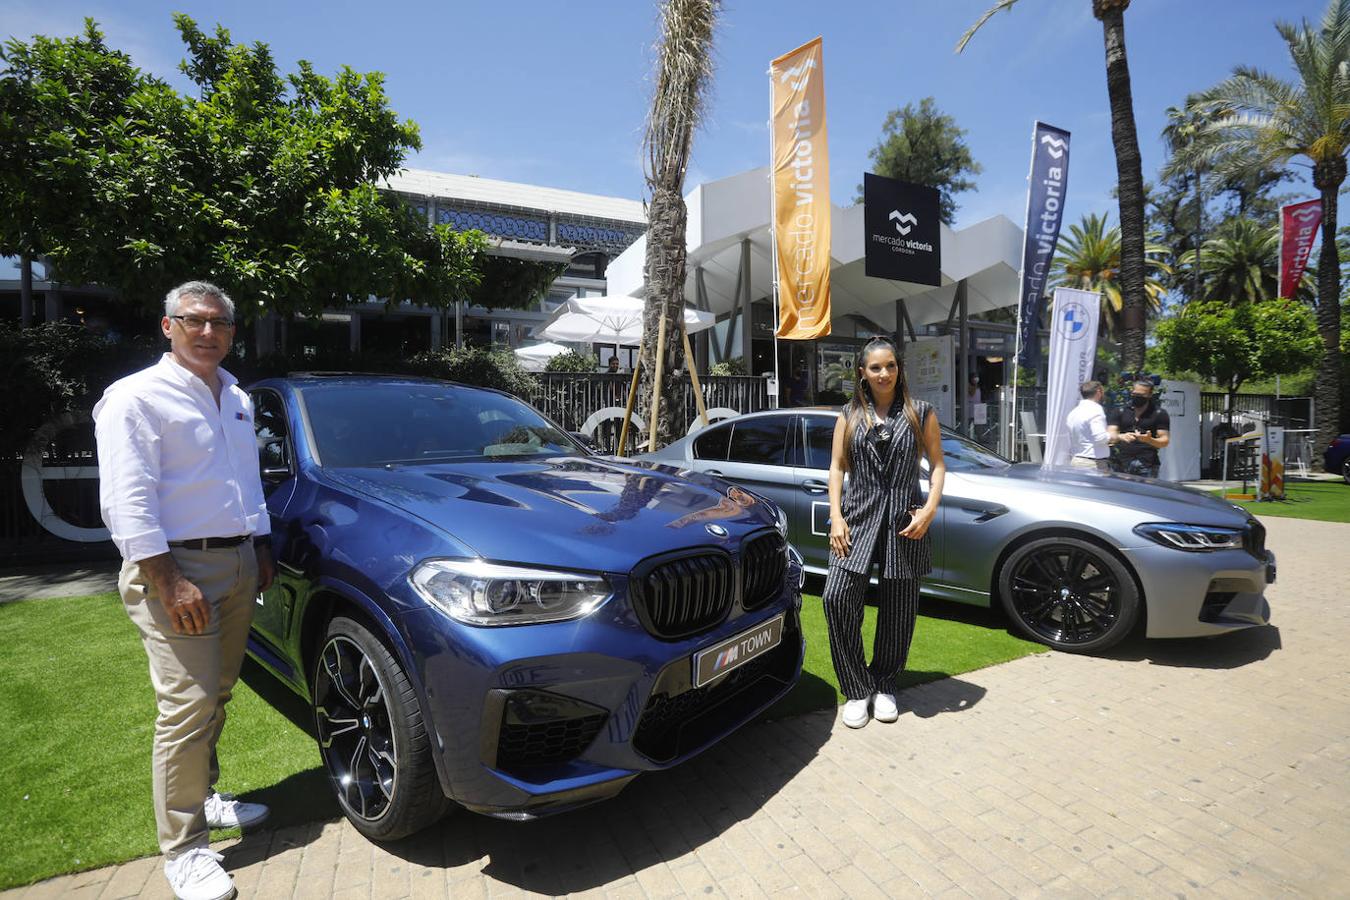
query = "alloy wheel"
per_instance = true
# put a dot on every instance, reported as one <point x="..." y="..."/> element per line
<point x="356" y="737"/>
<point x="1065" y="595"/>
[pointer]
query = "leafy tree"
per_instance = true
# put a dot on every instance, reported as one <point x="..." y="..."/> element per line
<point x="1231" y="344"/>
<point x="482" y="366"/>
<point x="1129" y="171"/>
<point x="262" y="183"/>
<point x="925" y="146"/>
<point x="1240" y="263"/>
<point x="683" y="74"/>
<point x="1089" y="258"/>
<point x="1263" y="120"/>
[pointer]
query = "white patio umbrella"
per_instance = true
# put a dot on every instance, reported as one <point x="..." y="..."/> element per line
<point x="610" y="320"/>
<point x="534" y="357"/>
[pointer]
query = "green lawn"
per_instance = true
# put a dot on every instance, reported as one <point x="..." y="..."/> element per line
<point x="1325" y="501"/>
<point x="77" y="712"/>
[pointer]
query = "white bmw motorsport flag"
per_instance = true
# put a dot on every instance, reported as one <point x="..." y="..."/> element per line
<point x="1073" y="355"/>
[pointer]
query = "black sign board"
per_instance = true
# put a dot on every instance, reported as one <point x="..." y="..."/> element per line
<point x="904" y="240"/>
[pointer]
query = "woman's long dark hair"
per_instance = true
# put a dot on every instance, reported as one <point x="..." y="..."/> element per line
<point x="855" y="412"/>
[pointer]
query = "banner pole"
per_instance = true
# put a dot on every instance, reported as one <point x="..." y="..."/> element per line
<point x="1021" y="283"/>
<point x="773" y="244"/>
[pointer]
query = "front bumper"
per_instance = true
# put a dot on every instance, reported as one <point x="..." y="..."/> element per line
<point x="533" y="720"/>
<point x="1201" y="594"/>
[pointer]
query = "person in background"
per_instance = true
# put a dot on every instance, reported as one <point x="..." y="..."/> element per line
<point x="1089" y="438"/>
<point x="181" y="493"/>
<point x="1141" y="430"/>
<point x="973" y="393"/>
<point x="613" y="365"/>
<point x="881" y="517"/>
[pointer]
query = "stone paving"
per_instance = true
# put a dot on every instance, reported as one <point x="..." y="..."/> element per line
<point x="1169" y="768"/>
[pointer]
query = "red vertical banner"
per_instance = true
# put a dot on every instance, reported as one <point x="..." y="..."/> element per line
<point x="801" y="193"/>
<point x="1299" y="224"/>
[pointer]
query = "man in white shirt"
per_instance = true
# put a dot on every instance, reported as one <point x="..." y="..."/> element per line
<point x="1088" y="436"/>
<point x="180" y="491"/>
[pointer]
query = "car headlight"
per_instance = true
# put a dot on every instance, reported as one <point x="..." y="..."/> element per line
<point x="482" y="593"/>
<point x="1193" y="538"/>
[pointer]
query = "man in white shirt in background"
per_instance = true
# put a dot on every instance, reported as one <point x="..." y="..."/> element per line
<point x="1089" y="439"/>
<point x="180" y="491"/>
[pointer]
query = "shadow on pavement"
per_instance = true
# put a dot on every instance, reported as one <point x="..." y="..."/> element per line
<point x="661" y="816"/>
<point x="1223" y="651"/>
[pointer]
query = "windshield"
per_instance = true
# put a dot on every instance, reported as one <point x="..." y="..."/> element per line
<point x="411" y="424"/>
<point x="963" y="454"/>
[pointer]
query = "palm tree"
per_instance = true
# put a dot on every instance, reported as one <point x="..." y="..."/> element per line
<point x="1089" y="259"/>
<point x="683" y="73"/>
<point x="1263" y="120"/>
<point x="1129" y="170"/>
<point x="1239" y="264"/>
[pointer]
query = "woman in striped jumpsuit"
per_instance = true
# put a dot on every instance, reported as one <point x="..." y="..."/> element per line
<point x="880" y="518"/>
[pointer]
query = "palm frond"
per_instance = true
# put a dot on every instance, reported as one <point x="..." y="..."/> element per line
<point x="684" y="72"/>
<point x="985" y="17"/>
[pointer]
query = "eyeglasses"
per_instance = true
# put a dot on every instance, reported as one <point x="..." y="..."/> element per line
<point x="197" y="323"/>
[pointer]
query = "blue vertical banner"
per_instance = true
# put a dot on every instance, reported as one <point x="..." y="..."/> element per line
<point x="1049" y="181"/>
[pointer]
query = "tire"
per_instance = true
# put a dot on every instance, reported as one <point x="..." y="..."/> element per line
<point x="1069" y="594"/>
<point x="372" y="737"/>
<point x="1345" y="470"/>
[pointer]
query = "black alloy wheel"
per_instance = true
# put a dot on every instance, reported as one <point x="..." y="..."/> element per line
<point x="371" y="736"/>
<point x="1068" y="593"/>
<point x="1345" y="470"/>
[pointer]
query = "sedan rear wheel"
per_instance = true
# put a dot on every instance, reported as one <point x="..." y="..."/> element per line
<point x="1068" y="593"/>
<point x="371" y="736"/>
<point x="1345" y="470"/>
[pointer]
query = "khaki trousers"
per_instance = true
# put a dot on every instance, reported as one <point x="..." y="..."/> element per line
<point x="193" y="677"/>
<point x="1082" y="462"/>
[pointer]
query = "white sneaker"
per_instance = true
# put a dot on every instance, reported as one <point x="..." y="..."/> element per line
<point x="884" y="708"/>
<point x="197" y="875"/>
<point x="223" y="811"/>
<point x="855" y="713"/>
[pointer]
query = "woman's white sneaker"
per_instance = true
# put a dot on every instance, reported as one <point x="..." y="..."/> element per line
<point x="855" y="713"/>
<point x="197" y="875"/>
<point x="884" y="708"/>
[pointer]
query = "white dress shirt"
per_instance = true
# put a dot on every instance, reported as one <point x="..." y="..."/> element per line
<point x="1088" y="436"/>
<point x="172" y="465"/>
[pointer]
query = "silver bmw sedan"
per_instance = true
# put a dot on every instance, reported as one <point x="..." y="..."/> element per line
<point x="1075" y="557"/>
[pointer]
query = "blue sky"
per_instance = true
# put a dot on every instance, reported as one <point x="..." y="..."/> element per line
<point x="554" y="93"/>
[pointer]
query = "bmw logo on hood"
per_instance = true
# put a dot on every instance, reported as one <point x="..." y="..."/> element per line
<point x="716" y="530"/>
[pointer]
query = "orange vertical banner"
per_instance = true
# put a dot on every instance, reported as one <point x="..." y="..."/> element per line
<point x="801" y="193"/>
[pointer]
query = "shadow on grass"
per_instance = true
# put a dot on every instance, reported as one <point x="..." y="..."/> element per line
<point x="278" y="696"/>
<point x="1222" y="651"/>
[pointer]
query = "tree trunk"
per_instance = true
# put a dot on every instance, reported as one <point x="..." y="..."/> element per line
<point x="665" y="267"/>
<point x="1130" y="178"/>
<point x="1327" y="178"/>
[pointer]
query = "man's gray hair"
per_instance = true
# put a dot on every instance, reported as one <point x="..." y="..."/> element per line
<point x="196" y="289"/>
<point x="1088" y="388"/>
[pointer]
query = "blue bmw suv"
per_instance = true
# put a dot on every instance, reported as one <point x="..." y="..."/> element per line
<point x="482" y="613"/>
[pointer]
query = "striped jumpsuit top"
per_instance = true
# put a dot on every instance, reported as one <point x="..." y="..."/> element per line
<point x="882" y="485"/>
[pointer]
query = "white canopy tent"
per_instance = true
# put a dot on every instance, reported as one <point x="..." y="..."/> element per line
<point x="534" y="357"/>
<point x="612" y="319"/>
<point x="728" y="232"/>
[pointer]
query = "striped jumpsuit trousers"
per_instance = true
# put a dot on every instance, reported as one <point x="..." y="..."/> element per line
<point x="882" y="486"/>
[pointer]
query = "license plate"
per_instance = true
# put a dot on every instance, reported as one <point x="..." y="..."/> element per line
<point x="713" y="662"/>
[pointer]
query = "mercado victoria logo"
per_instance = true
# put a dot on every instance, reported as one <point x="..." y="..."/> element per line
<point x="903" y="231"/>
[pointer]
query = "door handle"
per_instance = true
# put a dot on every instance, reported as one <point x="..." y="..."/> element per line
<point x="717" y="472"/>
<point x="812" y="486"/>
<point x="983" y="512"/>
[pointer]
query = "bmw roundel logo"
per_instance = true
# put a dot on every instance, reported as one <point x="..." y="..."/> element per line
<point x="715" y="530"/>
<point x="1073" y="320"/>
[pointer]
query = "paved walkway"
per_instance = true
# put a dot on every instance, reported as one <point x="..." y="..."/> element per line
<point x="1179" y="768"/>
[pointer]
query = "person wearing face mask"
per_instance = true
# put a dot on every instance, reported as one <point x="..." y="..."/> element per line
<point x="1139" y="431"/>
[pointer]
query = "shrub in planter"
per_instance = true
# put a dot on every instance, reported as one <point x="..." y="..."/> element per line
<point x="479" y="366"/>
<point x="571" y="361"/>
